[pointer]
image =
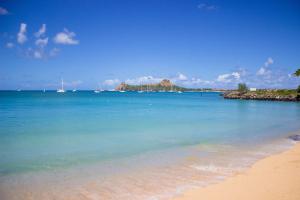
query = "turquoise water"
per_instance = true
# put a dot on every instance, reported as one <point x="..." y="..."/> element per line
<point x="131" y="145"/>
<point x="45" y="131"/>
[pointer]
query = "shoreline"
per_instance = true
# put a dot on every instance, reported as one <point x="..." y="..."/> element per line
<point x="273" y="177"/>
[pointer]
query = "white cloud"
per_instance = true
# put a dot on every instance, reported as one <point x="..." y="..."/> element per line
<point x="65" y="37"/>
<point x="144" y="80"/>
<point x="21" y="37"/>
<point x="196" y="82"/>
<point x="209" y="7"/>
<point x="261" y="71"/>
<point x="264" y="70"/>
<point x="41" y="31"/>
<point x="111" y="82"/>
<point x="10" y="45"/>
<point x="269" y="61"/>
<point x="41" y="42"/>
<point x="182" y="77"/>
<point x="3" y="11"/>
<point x="37" y="54"/>
<point x="228" y="78"/>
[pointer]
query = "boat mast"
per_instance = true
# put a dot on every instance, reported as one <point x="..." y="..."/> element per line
<point x="62" y="84"/>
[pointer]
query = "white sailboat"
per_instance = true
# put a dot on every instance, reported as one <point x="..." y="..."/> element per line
<point x="171" y="88"/>
<point x="61" y="90"/>
<point x="141" y="88"/>
<point x="98" y="90"/>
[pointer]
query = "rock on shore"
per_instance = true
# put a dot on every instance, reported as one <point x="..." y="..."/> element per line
<point x="268" y="95"/>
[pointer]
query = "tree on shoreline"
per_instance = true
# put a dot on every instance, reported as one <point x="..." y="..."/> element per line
<point x="297" y="73"/>
<point x="242" y="88"/>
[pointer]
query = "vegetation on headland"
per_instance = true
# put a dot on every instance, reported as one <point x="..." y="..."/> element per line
<point x="243" y="92"/>
<point x="297" y="73"/>
<point x="264" y="94"/>
<point x="164" y="85"/>
<point x="242" y="87"/>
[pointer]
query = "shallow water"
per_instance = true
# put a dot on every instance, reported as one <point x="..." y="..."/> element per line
<point x="131" y="145"/>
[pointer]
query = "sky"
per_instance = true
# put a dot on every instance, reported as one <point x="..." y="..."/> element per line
<point x="194" y="43"/>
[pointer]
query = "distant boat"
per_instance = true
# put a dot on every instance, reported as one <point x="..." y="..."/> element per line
<point x="44" y="90"/>
<point x="74" y="90"/>
<point x="141" y="89"/>
<point x="98" y="90"/>
<point x="179" y="92"/>
<point x="171" y="88"/>
<point x="122" y="91"/>
<point x="18" y="90"/>
<point x="61" y="90"/>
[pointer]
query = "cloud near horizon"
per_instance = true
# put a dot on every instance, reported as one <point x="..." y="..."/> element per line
<point x="275" y="78"/>
<point x="111" y="82"/>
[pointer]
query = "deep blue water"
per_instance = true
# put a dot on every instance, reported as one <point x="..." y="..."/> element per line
<point x="40" y="131"/>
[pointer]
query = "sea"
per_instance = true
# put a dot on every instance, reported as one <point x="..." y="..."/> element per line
<point x="130" y="145"/>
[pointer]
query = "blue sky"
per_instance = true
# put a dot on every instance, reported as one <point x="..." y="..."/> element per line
<point x="194" y="43"/>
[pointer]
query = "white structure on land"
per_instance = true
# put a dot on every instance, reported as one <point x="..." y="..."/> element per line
<point x="252" y="89"/>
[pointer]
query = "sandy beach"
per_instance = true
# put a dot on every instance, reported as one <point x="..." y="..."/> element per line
<point x="274" y="177"/>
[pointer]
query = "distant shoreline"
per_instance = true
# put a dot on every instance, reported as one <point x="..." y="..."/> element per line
<point x="264" y="95"/>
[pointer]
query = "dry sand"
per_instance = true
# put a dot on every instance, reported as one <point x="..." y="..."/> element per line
<point x="273" y="178"/>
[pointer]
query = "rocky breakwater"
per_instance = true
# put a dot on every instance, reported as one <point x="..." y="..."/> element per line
<point x="268" y="95"/>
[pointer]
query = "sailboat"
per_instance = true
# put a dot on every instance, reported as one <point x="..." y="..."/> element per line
<point x="97" y="90"/>
<point x="61" y="90"/>
<point x="141" y="91"/>
<point x="171" y="88"/>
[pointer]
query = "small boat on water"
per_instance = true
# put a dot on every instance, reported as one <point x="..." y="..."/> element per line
<point x="98" y="90"/>
<point x="61" y="90"/>
<point x="122" y="91"/>
<point x="141" y="88"/>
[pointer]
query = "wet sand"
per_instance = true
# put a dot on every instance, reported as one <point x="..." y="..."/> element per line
<point x="274" y="177"/>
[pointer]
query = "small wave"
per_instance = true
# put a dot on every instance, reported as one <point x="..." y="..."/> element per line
<point x="212" y="168"/>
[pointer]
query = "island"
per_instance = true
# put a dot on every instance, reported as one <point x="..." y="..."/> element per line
<point x="164" y="86"/>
